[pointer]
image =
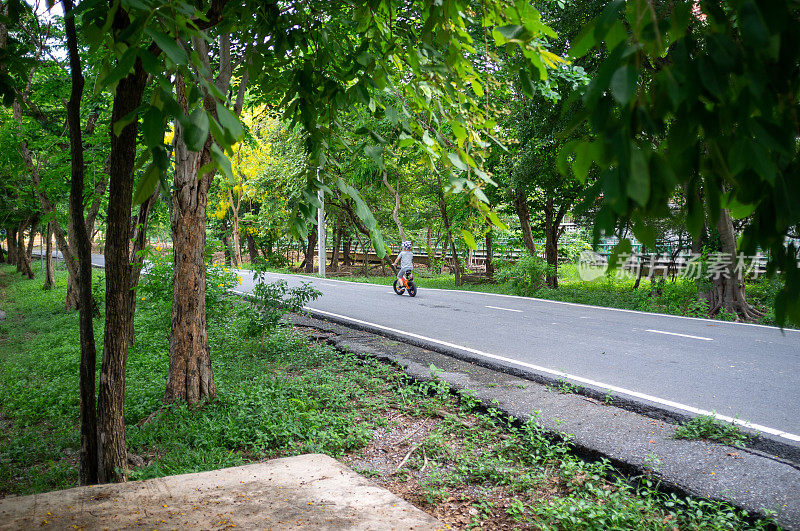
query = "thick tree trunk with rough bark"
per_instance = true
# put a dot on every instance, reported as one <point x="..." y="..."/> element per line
<point x="49" y="272"/>
<point x="112" y="448"/>
<point x="521" y="207"/>
<point x="190" y="376"/>
<point x="727" y="290"/>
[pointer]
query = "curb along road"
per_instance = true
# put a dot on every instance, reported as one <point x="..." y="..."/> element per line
<point x="636" y="444"/>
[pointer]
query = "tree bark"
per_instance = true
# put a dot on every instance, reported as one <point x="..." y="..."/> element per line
<point x="89" y="449"/>
<point x="23" y="257"/>
<point x="190" y="376"/>
<point x="310" y="247"/>
<point x="29" y="250"/>
<point x="11" y="238"/>
<point x="347" y="260"/>
<point x="49" y="273"/>
<point x="337" y="242"/>
<point x="553" y="231"/>
<point x="251" y="248"/>
<point x="727" y="290"/>
<point x="112" y="449"/>
<point x="521" y="206"/>
<point x="489" y="254"/>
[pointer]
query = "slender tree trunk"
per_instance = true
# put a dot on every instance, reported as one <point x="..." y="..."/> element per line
<point x="29" y="251"/>
<point x="2" y="255"/>
<point x="553" y="231"/>
<point x="190" y="376"/>
<point x="49" y="273"/>
<point x="252" y="250"/>
<point x="310" y="247"/>
<point x="118" y="331"/>
<point x="23" y="258"/>
<point x="446" y="220"/>
<point x="521" y="206"/>
<point x="89" y="461"/>
<point x="337" y="242"/>
<point x="237" y="248"/>
<point x="489" y="254"/>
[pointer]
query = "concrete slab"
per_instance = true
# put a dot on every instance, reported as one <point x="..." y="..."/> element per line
<point x="304" y="492"/>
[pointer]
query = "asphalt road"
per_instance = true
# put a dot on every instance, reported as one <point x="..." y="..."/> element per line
<point x="745" y="372"/>
<point x="741" y="372"/>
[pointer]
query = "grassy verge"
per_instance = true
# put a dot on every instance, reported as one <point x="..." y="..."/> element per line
<point x="286" y="394"/>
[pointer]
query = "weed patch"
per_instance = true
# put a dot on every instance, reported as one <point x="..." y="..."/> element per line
<point x="708" y="427"/>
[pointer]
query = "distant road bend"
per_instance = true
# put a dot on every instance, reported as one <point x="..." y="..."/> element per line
<point x="743" y="373"/>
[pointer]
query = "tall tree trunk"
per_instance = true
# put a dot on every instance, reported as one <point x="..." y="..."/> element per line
<point x="190" y="376"/>
<point x="2" y="255"/>
<point x="727" y="290"/>
<point x="310" y="247"/>
<point x="118" y="331"/>
<point x="521" y="206"/>
<point x="49" y="273"/>
<point x="252" y="250"/>
<point x="89" y="460"/>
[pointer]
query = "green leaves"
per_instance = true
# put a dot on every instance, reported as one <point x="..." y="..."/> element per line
<point x="195" y="130"/>
<point x="232" y="127"/>
<point x="623" y="83"/>
<point x="638" y="186"/>
<point x="169" y="46"/>
<point x="469" y="239"/>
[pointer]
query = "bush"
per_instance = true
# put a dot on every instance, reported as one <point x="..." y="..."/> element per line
<point x="271" y="300"/>
<point x="526" y="276"/>
<point x="156" y="285"/>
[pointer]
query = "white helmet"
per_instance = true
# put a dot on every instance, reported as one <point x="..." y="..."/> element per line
<point x="407" y="246"/>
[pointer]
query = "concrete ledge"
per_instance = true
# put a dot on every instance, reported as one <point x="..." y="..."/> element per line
<point x="304" y="492"/>
<point x="636" y="444"/>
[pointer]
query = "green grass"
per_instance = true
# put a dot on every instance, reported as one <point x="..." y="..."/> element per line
<point x="284" y="395"/>
<point x="710" y="428"/>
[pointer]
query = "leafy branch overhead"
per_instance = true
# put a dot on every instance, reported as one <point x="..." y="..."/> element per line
<point x="700" y="98"/>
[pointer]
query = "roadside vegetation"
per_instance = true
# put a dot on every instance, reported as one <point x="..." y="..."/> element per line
<point x="283" y="393"/>
<point x="712" y="429"/>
